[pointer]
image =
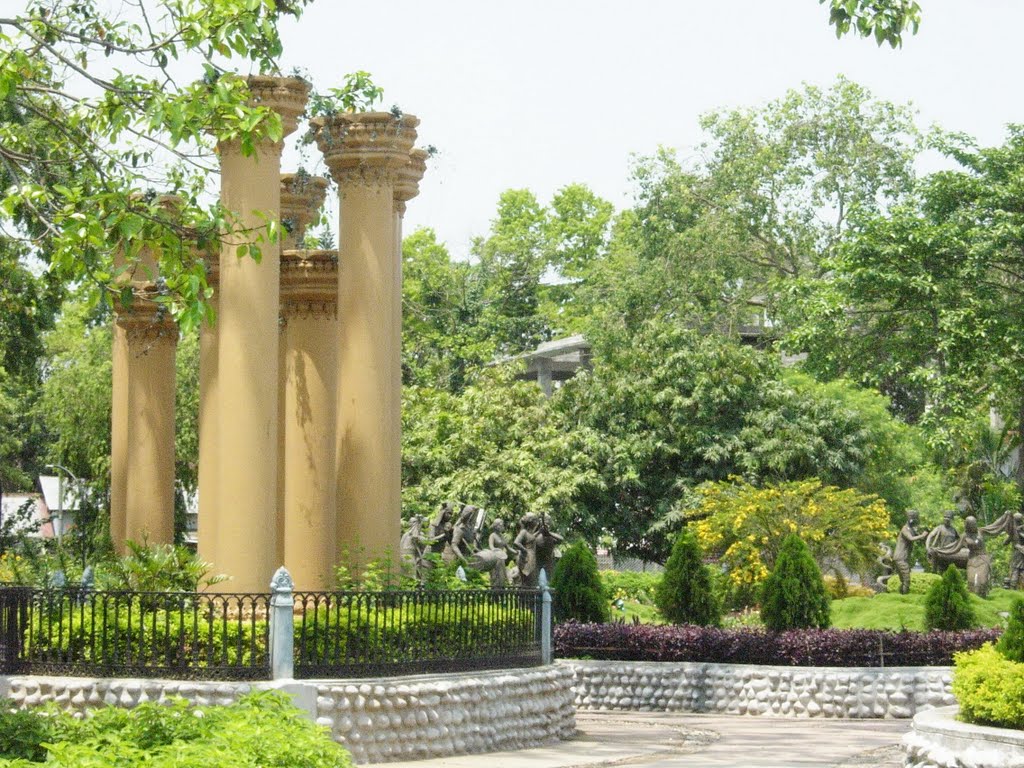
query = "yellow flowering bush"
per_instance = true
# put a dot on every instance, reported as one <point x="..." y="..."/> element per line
<point x="744" y="525"/>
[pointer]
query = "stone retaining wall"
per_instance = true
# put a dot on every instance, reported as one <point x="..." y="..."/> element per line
<point x="938" y="740"/>
<point x="741" y="689"/>
<point x="379" y="720"/>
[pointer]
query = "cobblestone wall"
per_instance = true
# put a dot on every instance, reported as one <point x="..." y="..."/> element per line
<point x="757" y="690"/>
<point x="378" y="719"/>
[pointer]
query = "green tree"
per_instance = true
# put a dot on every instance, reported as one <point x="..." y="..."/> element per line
<point x="948" y="605"/>
<point x="1011" y="644"/>
<point x="443" y="341"/>
<point x="925" y="299"/>
<point x="668" y="408"/>
<point x="794" y="594"/>
<point x="884" y="20"/>
<point x="779" y="188"/>
<point x="511" y="263"/>
<point x="685" y="594"/>
<point x="101" y="108"/>
<point x="499" y="445"/>
<point x="579" y="594"/>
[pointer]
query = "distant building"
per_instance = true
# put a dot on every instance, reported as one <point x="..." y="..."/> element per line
<point x="61" y="502"/>
<point x="554" y="362"/>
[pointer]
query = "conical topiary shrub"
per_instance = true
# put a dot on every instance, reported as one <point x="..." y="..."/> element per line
<point x="1011" y="644"/>
<point x="579" y="594"/>
<point x="794" y="594"/>
<point x="685" y="594"/>
<point x="947" y="604"/>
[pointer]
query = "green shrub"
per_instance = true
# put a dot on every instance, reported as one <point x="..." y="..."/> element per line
<point x="948" y="605"/>
<point x="794" y="595"/>
<point x="261" y="729"/>
<point x="920" y="583"/>
<point x="685" y="594"/>
<point x="989" y="688"/>
<point x="577" y="584"/>
<point x="1011" y="644"/>
<point x="632" y="586"/>
<point x="23" y="733"/>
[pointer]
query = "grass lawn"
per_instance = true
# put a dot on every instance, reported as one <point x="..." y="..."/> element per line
<point x="894" y="611"/>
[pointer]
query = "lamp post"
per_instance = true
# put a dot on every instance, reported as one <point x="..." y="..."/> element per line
<point x="59" y="528"/>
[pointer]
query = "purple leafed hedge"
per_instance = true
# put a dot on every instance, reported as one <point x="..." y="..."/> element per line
<point x="800" y="648"/>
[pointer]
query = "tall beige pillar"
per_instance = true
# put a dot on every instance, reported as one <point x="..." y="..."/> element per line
<point x="145" y="339"/>
<point x="246" y="545"/>
<point x="208" y="422"/>
<point x="364" y="153"/>
<point x="309" y="289"/>
<point x="142" y="448"/>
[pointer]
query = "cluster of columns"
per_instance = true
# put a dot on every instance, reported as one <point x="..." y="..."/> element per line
<point x="300" y="377"/>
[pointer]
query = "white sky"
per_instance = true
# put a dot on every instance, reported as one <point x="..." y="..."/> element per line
<point x="543" y="94"/>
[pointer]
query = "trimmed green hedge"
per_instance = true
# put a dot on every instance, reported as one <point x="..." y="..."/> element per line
<point x="989" y="688"/>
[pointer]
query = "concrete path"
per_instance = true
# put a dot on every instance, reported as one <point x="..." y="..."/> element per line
<point x="657" y="740"/>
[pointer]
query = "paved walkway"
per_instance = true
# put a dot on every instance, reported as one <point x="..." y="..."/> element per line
<point x="657" y="740"/>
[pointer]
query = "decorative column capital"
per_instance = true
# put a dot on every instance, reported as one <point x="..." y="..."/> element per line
<point x="407" y="183"/>
<point x="365" y="147"/>
<point x="146" y="320"/>
<point x="285" y="95"/>
<point x="302" y="196"/>
<point x="309" y="284"/>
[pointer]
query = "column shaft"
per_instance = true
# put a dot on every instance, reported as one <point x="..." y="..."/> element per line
<point x="208" y="427"/>
<point x="119" y="443"/>
<point x="369" y="364"/>
<point x="247" y="374"/>
<point x="149" y="491"/>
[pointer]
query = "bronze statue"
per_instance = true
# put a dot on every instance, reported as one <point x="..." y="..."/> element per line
<point x="979" y="562"/>
<point x="493" y="559"/>
<point x="943" y="536"/>
<point x="440" y="531"/>
<point x="904" y="544"/>
<point x="462" y="543"/>
<point x="414" y="547"/>
<point x="536" y="545"/>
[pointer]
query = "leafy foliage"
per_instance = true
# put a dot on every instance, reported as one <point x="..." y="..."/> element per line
<point x="685" y="594"/>
<point x="670" y="407"/>
<point x="747" y="526"/>
<point x="1011" y="644"/>
<point x="806" y="647"/>
<point x="989" y="688"/>
<point x="885" y="20"/>
<point x="579" y="594"/>
<point x="261" y="729"/>
<point x="948" y="605"/>
<point x="793" y="596"/>
<point x="496" y="444"/>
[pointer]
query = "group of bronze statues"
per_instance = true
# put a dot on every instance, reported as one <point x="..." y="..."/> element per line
<point x="456" y="537"/>
<point x="946" y="546"/>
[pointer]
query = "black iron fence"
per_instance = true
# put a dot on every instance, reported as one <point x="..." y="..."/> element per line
<point x="356" y="634"/>
<point x="135" y="634"/>
<point x="217" y="636"/>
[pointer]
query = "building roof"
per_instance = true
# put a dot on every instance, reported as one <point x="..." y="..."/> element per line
<point x="51" y="487"/>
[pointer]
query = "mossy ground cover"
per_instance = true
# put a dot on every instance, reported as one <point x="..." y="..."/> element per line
<point x="897" y="612"/>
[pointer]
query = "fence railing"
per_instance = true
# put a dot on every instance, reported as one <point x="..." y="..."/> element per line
<point x="281" y="634"/>
<point x="135" y="634"/>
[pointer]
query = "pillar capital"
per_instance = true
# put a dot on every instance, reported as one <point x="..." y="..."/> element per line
<point x="302" y="196"/>
<point x="407" y="183"/>
<point x="285" y="95"/>
<point x="309" y="284"/>
<point x="365" y="147"/>
<point x="146" y="320"/>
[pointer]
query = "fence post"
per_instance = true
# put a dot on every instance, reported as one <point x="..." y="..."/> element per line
<point x="545" y="618"/>
<point x="282" y="625"/>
